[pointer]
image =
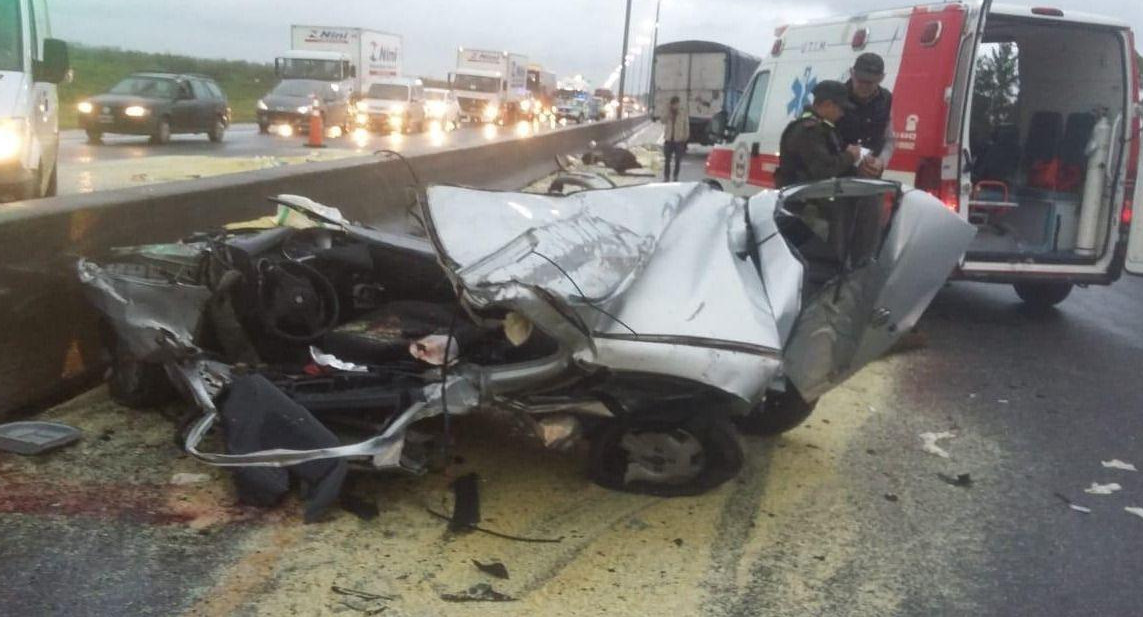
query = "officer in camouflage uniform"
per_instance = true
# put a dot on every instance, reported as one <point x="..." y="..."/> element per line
<point x="811" y="147"/>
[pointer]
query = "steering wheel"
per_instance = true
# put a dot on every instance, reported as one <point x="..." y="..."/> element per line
<point x="296" y="302"/>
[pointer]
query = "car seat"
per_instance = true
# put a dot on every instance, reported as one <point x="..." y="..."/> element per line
<point x="1002" y="160"/>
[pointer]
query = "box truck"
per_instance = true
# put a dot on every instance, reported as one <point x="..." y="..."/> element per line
<point x="352" y="57"/>
<point x="490" y="85"/>
<point x="707" y="77"/>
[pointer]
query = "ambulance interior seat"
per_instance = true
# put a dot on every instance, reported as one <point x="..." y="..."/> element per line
<point x="1001" y="161"/>
<point x="1042" y="143"/>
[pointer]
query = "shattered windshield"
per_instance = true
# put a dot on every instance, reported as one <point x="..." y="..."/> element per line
<point x="11" y="58"/>
<point x="150" y="87"/>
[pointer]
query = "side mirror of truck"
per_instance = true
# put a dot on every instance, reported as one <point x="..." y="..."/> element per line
<point x="53" y="69"/>
<point x="718" y="129"/>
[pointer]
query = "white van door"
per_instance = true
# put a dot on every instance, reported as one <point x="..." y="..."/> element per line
<point x="1134" y="263"/>
<point x="741" y="162"/>
<point x="963" y="87"/>
<point x="44" y="112"/>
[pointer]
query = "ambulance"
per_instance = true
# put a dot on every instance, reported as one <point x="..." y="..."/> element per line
<point x="1042" y="160"/>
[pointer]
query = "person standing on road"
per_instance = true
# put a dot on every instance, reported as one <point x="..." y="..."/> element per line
<point x="811" y="147"/>
<point x="676" y="132"/>
<point x="869" y="124"/>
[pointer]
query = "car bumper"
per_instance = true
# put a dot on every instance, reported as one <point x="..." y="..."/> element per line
<point x="379" y="121"/>
<point x="119" y="124"/>
<point x="274" y="118"/>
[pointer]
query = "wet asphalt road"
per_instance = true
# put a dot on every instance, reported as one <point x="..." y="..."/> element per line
<point x="843" y="516"/>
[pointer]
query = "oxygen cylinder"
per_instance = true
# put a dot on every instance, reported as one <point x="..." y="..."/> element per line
<point x="1093" y="185"/>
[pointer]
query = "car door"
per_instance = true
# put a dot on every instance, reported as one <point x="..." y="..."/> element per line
<point x="894" y="256"/>
<point x="1134" y="263"/>
<point x="184" y="109"/>
<point x="221" y="107"/>
<point x="205" y="105"/>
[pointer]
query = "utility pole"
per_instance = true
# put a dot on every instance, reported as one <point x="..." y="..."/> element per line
<point x="654" y="46"/>
<point x="623" y="61"/>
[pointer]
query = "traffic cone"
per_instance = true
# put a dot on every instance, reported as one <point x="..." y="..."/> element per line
<point x="317" y="128"/>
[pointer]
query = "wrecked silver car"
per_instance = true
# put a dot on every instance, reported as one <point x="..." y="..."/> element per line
<point x="655" y="321"/>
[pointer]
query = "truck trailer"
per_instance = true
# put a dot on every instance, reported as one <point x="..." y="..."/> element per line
<point x="364" y="56"/>
<point x="707" y="77"/>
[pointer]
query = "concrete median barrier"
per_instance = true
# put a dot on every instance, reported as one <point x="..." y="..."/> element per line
<point x="49" y="338"/>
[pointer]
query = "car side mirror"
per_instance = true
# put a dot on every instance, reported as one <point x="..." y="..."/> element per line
<point x="718" y="129"/>
<point x="53" y="69"/>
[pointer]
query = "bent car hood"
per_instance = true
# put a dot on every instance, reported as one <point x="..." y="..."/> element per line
<point x="641" y="278"/>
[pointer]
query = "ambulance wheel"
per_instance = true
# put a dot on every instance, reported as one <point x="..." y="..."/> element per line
<point x="779" y="413"/>
<point x="667" y="459"/>
<point x="1043" y="296"/>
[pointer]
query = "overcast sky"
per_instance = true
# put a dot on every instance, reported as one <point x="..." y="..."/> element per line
<point x="567" y="36"/>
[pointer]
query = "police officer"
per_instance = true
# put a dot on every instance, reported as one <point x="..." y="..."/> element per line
<point x="811" y="148"/>
<point x="869" y="123"/>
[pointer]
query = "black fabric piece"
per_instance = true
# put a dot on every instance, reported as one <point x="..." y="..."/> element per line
<point x="1002" y="159"/>
<point x="619" y="159"/>
<point x="1077" y="132"/>
<point x="466" y="505"/>
<point x="258" y="416"/>
<point x="1043" y="140"/>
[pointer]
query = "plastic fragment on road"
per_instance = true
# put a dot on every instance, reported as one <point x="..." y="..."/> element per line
<point x="480" y="592"/>
<point x="1118" y="464"/>
<point x="929" y="443"/>
<point x="962" y="480"/>
<point x="1102" y="489"/>
<point x="35" y="437"/>
<point x="1079" y="508"/>
<point x="494" y="568"/>
<point x="1134" y="510"/>
<point x="186" y="479"/>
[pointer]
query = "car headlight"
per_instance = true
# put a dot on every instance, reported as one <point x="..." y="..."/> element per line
<point x="85" y="107"/>
<point x="398" y="110"/>
<point x="362" y="106"/>
<point x="396" y="120"/>
<point x="304" y="109"/>
<point x="435" y="109"/>
<point x="491" y="112"/>
<point x="526" y="105"/>
<point x="136" y="111"/>
<point x="362" y="118"/>
<point x="262" y="105"/>
<point x="12" y="132"/>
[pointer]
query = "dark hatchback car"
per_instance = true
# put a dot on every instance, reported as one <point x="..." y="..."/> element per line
<point x="292" y="101"/>
<point x="159" y="105"/>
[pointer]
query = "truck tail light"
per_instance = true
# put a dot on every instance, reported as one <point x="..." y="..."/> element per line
<point x="1128" y="213"/>
<point x="929" y="180"/>
<point x="932" y="33"/>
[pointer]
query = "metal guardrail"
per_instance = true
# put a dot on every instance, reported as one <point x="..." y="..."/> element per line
<point x="49" y="339"/>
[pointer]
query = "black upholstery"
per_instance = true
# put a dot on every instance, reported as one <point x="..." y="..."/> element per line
<point x="1045" y="132"/>
<point x="1002" y="159"/>
<point x="385" y="334"/>
<point x="1076" y="135"/>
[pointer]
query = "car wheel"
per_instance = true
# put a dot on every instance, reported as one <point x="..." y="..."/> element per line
<point x="666" y="459"/>
<point x="217" y="132"/>
<point x="263" y="129"/>
<point x="1041" y="295"/>
<point x="94" y="136"/>
<point x="162" y="134"/>
<point x="780" y="412"/>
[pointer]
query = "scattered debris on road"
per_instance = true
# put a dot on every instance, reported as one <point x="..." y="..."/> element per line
<point x="1102" y="489"/>
<point x="892" y="497"/>
<point x="929" y="443"/>
<point x="1134" y="510"/>
<point x="186" y="479"/>
<point x="362" y="601"/>
<point x="480" y="592"/>
<point x="962" y="480"/>
<point x="1071" y="504"/>
<point x="1118" y="464"/>
<point x="29" y="438"/>
<point x="494" y="568"/>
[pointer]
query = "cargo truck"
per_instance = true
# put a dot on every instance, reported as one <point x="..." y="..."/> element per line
<point x="352" y="57"/>
<point x="490" y="85"/>
<point x="707" y="77"/>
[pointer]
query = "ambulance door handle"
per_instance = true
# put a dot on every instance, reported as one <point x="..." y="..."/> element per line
<point x="754" y="149"/>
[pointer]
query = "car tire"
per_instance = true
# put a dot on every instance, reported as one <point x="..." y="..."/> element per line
<point x="263" y="129"/>
<point x="779" y="413"/>
<point x="94" y="136"/>
<point x="719" y="454"/>
<point x="1042" y="296"/>
<point x="162" y="134"/>
<point x="217" y="132"/>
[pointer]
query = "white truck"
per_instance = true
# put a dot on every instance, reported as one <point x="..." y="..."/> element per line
<point x="490" y="86"/>
<point x="351" y="57"/>
<point x="31" y="64"/>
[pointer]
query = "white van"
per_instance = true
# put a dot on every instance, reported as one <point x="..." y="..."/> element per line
<point x="1043" y="163"/>
<point x="394" y="104"/>
<point x="31" y="64"/>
